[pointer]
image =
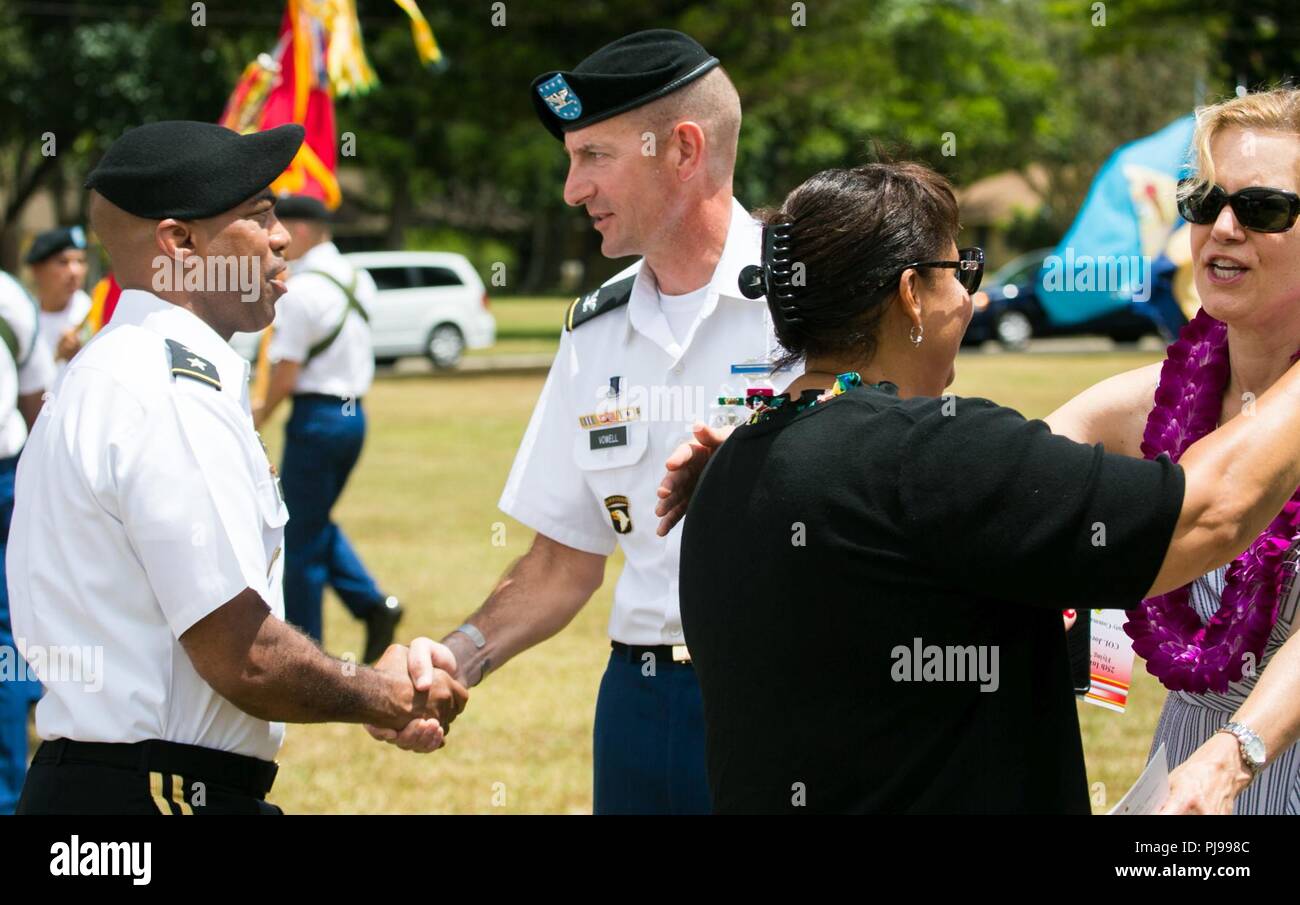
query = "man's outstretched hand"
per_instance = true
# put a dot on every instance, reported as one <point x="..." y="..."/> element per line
<point x="685" y="466"/>
<point x="439" y="697"/>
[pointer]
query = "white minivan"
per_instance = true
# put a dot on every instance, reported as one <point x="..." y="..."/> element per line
<point x="430" y="303"/>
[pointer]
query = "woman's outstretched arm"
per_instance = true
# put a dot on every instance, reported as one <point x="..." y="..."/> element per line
<point x="1112" y="412"/>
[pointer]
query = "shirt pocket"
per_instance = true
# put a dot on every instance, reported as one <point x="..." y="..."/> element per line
<point x="274" y="516"/>
<point x="608" y="458"/>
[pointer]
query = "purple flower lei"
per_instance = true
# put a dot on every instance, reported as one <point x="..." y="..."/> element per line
<point x="1180" y="651"/>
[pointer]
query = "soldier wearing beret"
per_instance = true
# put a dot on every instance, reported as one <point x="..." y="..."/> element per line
<point x="650" y="125"/>
<point x="146" y="556"/>
<point x="57" y="259"/>
<point x="324" y="360"/>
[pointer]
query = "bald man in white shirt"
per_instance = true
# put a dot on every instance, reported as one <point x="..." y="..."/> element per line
<point x="146" y="555"/>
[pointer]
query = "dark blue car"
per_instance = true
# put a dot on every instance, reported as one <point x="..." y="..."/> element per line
<point x="1008" y="310"/>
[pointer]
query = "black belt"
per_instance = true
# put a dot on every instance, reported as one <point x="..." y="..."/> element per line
<point x="325" y="397"/>
<point x="248" y="775"/>
<point x="663" y="653"/>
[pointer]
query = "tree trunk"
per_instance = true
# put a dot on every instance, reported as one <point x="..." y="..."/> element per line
<point x="25" y="185"/>
<point x="539" y="248"/>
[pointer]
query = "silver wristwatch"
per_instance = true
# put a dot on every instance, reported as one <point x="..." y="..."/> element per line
<point x="474" y="635"/>
<point x="1252" y="746"/>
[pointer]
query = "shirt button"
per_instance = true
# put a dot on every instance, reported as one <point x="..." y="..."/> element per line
<point x="675" y="631"/>
<point x="678" y="369"/>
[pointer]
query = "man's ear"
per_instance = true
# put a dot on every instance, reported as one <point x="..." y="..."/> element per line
<point x="690" y="142"/>
<point x="174" y="238"/>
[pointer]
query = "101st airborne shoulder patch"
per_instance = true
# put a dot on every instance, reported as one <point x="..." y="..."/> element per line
<point x="186" y="364"/>
<point x="619" y="514"/>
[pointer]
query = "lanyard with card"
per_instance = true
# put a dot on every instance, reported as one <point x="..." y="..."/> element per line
<point x="1112" y="661"/>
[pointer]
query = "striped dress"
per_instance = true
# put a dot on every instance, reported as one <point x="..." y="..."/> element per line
<point x="1188" y="720"/>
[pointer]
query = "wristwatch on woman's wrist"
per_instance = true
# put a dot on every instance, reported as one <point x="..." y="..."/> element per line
<point x="1251" y="745"/>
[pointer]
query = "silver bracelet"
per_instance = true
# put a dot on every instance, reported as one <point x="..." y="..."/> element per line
<point x="480" y="642"/>
<point x="473" y="634"/>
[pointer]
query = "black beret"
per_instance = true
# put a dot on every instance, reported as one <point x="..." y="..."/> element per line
<point x="301" y="207"/>
<point x="190" y="170"/>
<point x="52" y="241"/>
<point x="624" y="75"/>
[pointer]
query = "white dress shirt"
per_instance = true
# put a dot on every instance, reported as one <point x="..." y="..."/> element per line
<point x="562" y="487"/>
<point x="145" y="501"/>
<point x="30" y="371"/>
<point x="310" y="311"/>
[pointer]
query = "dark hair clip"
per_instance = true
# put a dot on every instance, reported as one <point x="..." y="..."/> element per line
<point x="774" y="278"/>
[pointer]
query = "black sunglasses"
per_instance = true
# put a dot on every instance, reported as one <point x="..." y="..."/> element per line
<point x="1262" y="210"/>
<point x="969" y="266"/>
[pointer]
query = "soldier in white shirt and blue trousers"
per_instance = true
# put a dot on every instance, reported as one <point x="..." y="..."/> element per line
<point x="323" y="357"/>
<point x="26" y="371"/>
<point x="650" y="125"/>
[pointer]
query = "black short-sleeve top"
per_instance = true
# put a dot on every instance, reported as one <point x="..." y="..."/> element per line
<point x="871" y="591"/>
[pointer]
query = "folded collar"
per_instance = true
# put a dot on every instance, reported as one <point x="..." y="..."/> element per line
<point x="742" y="247"/>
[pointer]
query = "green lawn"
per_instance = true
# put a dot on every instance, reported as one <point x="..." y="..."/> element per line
<point x="526" y="325"/>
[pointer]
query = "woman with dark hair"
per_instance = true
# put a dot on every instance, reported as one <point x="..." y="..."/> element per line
<point x="872" y="573"/>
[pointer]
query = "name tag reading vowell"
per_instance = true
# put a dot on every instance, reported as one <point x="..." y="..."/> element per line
<point x="608" y="438"/>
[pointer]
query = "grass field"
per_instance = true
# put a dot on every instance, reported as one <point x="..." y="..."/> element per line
<point x="525" y="325"/>
<point x="421" y="508"/>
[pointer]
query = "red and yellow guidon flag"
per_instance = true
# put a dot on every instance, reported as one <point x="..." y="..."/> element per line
<point x="103" y="301"/>
<point x="318" y="56"/>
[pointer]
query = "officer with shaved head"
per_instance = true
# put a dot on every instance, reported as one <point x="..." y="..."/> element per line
<point x="146" y="557"/>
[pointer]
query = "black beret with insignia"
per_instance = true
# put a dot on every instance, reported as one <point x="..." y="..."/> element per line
<point x="191" y="170"/>
<point x="301" y="207"/>
<point x="624" y="75"/>
<point x="52" y="241"/>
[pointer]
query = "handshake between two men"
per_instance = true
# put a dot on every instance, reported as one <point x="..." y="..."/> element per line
<point x="437" y="698"/>
<point x="273" y="672"/>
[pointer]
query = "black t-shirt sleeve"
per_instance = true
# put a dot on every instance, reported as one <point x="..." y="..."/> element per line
<point x="1001" y="506"/>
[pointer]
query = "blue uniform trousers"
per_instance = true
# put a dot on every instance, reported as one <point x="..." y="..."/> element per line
<point x="648" y="754"/>
<point x="323" y="440"/>
<point x="16" y="695"/>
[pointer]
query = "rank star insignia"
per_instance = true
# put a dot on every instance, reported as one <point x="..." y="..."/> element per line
<point x="192" y="366"/>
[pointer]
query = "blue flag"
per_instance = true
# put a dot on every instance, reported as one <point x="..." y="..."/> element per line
<point x="1107" y="259"/>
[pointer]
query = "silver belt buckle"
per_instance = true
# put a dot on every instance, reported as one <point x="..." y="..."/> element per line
<point x="681" y="654"/>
